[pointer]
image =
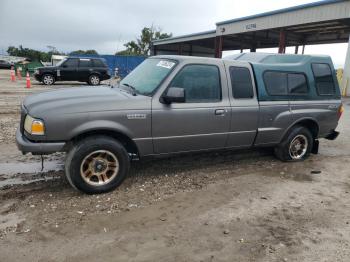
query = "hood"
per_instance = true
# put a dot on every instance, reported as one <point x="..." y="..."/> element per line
<point x="83" y="100"/>
<point x="47" y="68"/>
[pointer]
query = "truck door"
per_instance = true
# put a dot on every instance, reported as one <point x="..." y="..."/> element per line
<point x="202" y="121"/>
<point x="244" y="104"/>
<point x="68" y="70"/>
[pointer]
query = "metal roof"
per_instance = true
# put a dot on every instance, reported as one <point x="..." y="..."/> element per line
<point x="321" y="22"/>
<point x="281" y="11"/>
<point x="210" y="33"/>
<point x="189" y="35"/>
<point x="183" y="57"/>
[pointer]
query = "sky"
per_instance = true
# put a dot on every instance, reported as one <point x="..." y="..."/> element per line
<point x="105" y="25"/>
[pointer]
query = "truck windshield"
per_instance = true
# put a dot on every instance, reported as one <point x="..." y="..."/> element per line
<point x="145" y="78"/>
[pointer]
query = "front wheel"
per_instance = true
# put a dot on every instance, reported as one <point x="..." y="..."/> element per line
<point x="48" y="79"/>
<point x="94" y="80"/>
<point x="296" y="146"/>
<point x="97" y="164"/>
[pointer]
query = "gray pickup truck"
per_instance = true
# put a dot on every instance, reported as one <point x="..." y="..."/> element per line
<point x="178" y="104"/>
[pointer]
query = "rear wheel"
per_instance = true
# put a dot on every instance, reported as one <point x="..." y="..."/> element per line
<point x="97" y="164"/>
<point x="48" y="79"/>
<point x="94" y="80"/>
<point x="296" y="146"/>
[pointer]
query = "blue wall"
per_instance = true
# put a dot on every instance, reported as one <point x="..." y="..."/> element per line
<point x="125" y="64"/>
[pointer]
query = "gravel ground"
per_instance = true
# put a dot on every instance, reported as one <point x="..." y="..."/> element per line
<point x="227" y="206"/>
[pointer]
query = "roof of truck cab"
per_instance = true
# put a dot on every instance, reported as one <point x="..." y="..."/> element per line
<point x="269" y="59"/>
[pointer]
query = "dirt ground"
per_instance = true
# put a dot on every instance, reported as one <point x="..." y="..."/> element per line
<point x="228" y="206"/>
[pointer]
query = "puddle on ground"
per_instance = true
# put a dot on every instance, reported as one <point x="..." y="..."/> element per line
<point x="26" y="173"/>
<point x="29" y="168"/>
<point x="299" y="177"/>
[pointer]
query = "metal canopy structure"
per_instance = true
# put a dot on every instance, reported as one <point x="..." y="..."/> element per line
<point x="199" y="44"/>
<point x="322" y="22"/>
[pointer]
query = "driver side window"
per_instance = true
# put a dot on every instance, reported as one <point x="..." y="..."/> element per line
<point x="201" y="83"/>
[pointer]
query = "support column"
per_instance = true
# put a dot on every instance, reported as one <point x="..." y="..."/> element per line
<point x="345" y="83"/>
<point x="153" y="50"/>
<point x="303" y="52"/>
<point x="191" y="48"/>
<point x="218" y="46"/>
<point x="296" y="49"/>
<point x="179" y="49"/>
<point x="282" y="42"/>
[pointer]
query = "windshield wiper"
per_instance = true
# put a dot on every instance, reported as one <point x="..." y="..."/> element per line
<point x="133" y="89"/>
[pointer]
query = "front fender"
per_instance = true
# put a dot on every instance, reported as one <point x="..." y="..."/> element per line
<point x="100" y="125"/>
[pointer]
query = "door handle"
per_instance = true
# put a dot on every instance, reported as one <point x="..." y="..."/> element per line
<point x="220" y="112"/>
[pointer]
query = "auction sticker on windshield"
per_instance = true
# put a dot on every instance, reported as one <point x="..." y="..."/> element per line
<point x="166" y="64"/>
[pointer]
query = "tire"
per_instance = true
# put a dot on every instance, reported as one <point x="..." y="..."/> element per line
<point x="97" y="164"/>
<point x="296" y="146"/>
<point x="48" y="79"/>
<point x="94" y="80"/>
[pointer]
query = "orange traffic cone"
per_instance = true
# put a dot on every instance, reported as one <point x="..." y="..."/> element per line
<point x="13" y="79"/>
<point x="19" y="74"/>
<point x="28" y="80"/>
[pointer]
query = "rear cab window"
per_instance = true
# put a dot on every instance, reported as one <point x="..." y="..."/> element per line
<point x="323" y="79"/>
<point x="241" y="82"/>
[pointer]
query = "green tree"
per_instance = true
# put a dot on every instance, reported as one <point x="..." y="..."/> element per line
<point x="32" y="54"/>
<point x="82" y="52"/>
<point x="142" y="45"/>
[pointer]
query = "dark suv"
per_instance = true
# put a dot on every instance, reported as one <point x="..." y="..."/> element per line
<point x="90" y="70"/>
<point x="5" y="64"/>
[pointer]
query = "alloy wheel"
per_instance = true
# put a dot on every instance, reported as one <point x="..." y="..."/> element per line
<point x="94" y="80"/>
<point x="99" y="167"/>
<point x="48" y="80"/>
<point x="298" y="147"/>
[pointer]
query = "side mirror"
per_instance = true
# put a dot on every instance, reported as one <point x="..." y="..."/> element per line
<point x="174" y="95"/>
<point x="64" y="66"/>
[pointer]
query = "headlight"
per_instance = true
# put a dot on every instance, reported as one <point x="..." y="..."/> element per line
<point x="36" y="71"/>
<point x="34" y="126"/>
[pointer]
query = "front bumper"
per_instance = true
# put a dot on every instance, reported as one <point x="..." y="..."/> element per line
<point x="37" y="77"/>
<point x="37" y="148"/>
